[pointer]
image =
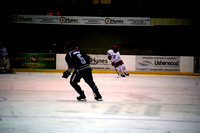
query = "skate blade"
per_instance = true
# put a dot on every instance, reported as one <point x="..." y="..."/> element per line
<point x="99" y="99"/>
<point x="82" y="100"/>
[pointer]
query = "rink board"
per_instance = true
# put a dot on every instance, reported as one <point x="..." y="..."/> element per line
<point x="135" y="64"/>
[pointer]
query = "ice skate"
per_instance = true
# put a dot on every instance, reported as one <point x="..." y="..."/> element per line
<point x="122" y="75"/>
<point x="82" y="97"/>
<point x="97" y="96"/>
<point x="127" y="74"/>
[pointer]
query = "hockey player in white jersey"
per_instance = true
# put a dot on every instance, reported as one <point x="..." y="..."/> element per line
<point x="116" y="61"/>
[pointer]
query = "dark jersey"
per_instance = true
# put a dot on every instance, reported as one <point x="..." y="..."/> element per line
<point x="77" y="60"/>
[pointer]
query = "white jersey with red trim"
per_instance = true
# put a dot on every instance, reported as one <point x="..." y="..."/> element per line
<point x="115" y="57"/>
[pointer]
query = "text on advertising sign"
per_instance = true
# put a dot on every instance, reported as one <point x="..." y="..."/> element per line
<point x="158" y="63"/>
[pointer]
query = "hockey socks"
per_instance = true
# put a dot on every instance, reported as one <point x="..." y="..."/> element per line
<point x="120" y="72"/>
<point x="124" y="69"/>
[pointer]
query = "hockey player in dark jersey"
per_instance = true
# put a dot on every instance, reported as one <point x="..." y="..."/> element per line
<point x="79" y="61"/>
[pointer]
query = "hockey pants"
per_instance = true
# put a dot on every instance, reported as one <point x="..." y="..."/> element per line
<point x="88" y="78"/>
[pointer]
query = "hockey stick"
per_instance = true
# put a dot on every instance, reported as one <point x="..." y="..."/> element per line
<point x="117" y="72"/>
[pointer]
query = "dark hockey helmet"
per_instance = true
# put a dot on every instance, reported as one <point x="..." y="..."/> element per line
<point x="115" y="48"/>
<point x="71" y="46"/>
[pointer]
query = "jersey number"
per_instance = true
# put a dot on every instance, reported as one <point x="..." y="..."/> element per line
<point x="81" y="58"/>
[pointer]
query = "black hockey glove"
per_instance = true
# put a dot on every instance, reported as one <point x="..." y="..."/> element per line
<point x="66" y="74"/>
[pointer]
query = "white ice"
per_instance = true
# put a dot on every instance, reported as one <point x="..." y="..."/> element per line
<point x="46" y="103"/>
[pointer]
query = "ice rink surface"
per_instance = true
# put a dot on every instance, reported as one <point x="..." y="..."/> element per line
<point x="46" y="103"/>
